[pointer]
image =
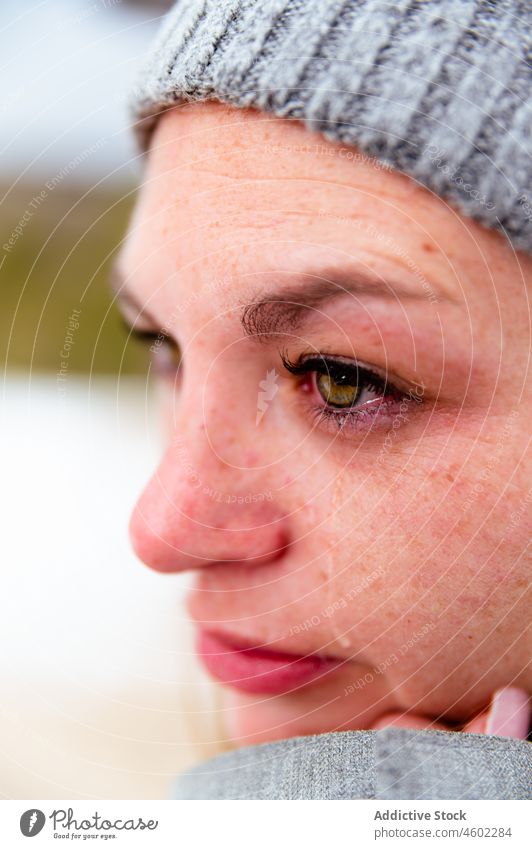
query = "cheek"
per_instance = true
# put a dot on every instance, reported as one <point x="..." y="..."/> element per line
<point x="447" y="612"/>
<point x="412" y="556"/>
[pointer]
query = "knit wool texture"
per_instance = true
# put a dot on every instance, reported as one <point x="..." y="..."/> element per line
<point x="437" y="89"/>
<point x="393" y="763"/>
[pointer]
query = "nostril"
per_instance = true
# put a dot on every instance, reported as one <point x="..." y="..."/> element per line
<point x="257" y="552"/>
<point x="242" y="559"/>
<point x="253" y="545"/>
<point x="282" y="544"/>
<point x="173" y="528"/>
<point x="205" y="546"/>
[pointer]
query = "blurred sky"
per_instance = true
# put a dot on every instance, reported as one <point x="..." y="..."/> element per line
<point x="66" y="68"/>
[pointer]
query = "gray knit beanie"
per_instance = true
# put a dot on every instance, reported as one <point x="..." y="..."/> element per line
<point x="438" y="89"/>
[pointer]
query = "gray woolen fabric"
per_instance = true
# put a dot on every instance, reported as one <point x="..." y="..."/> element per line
<point x="450" y="765"/>
<point x="439" y="89"/>
<point x="325" y="766"/>
<point x="394" y="763"/>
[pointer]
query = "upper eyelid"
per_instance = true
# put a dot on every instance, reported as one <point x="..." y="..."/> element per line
<point x="305" y="364"/>
<point x="143" y="333"/>
<point x="388" y="379"/>
<point x="147" y="333"/>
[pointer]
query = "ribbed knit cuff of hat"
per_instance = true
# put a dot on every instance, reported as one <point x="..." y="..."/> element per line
<point x="438" y="89"/>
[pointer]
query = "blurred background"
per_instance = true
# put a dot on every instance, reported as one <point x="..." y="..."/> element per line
<point x="100" y="696"/>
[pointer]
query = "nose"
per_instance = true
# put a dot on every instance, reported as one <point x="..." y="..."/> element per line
<point x="198" y="511"/>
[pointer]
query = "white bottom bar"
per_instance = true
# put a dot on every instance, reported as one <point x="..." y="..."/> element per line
<point x="261" y="825"/>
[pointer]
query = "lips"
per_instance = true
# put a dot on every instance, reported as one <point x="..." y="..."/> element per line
<point x="256" y="670"/>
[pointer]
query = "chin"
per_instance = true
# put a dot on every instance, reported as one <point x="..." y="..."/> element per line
<point x="251" y="719"/>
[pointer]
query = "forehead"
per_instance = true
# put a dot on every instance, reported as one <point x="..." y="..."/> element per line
<point x="239" y="191"/>
<point x="247" y="143"/>
<point x="222" y="158"/>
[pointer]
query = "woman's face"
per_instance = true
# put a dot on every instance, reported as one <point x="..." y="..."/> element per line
<point x="344" y="362"/>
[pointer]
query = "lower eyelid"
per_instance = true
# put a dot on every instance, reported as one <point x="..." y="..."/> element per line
<point x="378" y="415"/>
<point x="370" y="411"/>
<point x="359" y="423"/>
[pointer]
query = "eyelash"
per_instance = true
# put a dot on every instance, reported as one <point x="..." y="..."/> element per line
<point x="390" y="401"/>
<point x="161" y="349"/>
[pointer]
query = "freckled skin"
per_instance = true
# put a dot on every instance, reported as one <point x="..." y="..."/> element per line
<point x="413" y="532"/>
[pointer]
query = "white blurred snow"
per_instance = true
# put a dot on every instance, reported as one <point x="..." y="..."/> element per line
<point x="98" y="686"/>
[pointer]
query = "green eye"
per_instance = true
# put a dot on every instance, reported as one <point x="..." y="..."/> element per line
<point x="337" y="391"/>
<point x="344" y="386"/>
<point x="346" y="393"/>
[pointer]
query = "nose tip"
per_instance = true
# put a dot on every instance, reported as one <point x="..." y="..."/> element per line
<point x="192" y="531"/>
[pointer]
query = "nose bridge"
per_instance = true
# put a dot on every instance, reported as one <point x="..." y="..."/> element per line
<point x="217" y="443"/>
<point x="214" y="492"/>
<point x="199" y="509"/>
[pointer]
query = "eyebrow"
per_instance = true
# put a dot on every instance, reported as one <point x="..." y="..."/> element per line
<point x="289" y="308"/>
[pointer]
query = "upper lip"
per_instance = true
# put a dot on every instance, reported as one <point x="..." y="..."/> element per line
<point x="239" y="643"/>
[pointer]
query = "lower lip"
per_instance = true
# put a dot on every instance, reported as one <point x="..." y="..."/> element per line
<point x="255" y="670"/>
